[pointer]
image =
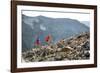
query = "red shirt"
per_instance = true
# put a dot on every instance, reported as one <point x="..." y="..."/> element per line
<point x="47" y="38"/>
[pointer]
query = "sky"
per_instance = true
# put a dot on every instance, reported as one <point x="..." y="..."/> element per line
<point x="55" y="14"/>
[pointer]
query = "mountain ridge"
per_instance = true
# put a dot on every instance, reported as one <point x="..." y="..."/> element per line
<point x="59" y="28"/>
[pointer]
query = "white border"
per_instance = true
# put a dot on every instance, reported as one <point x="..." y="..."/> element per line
<point x="56" y="63"/>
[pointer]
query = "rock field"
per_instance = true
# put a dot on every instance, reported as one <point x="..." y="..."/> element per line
<point x="73" y="48"/>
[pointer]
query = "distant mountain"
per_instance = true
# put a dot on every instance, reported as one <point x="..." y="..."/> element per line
<point x="41" y="26"/>
<point x="87" y="23"/>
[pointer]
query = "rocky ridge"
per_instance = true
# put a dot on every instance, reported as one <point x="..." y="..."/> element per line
<point x="74" y="48"/>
